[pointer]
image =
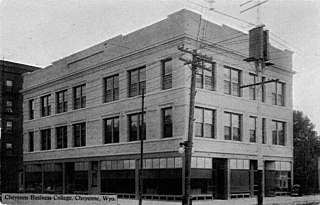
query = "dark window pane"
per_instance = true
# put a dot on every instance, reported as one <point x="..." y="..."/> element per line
<point x="227" y="133"/>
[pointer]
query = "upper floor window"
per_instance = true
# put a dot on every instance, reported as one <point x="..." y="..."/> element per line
<point x="79" y="97"/>
<point x="263" y="90"/>
<point x="9" y="85"/>
<point x="278" y="132"/>
<point x="79" y="134"/>
<point x="205" y="79"/>
<point x="45" y="106"/>
<point x="31" y="109"/>
<point x="45" y="139"/>
<point x="167" y="74"/>
<point x="62" y="137"/>
<point x="167" y="122"/>
<point x="137" y="81"/>
<point x="232" y="126"/>
<point x="31" y="142"/>
<point x="9" y="106"/>
<point x="135" y="127"/>
<point x="9" y="147"/>
<point x="111" y="88"/>
<point x="252" y="89"/>
<point x="278" y="94"/>
<point x="62" y="103"/>
<point x="111" y="130"/>
<point x="204" y="123"/>
<point x="9" y="126"/>
<point x="264" y="130"/>
<point x="253" y="129"/>
<point x="232" y="81"/>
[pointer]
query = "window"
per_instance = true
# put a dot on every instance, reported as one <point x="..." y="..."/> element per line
<point x="9" y="125"/>
<point x="111" y="130"/>
<point x="167" y="122"/>
<point x="45" y="106"/>
<point x="278" y="94"/>
<point x="9" y="147"/>
<point x="79" y="134"/>
<point x="278" y="132"/>
<point x="232" y="126"/>
<point x="45" y="139"/>
<point x="31" y="142"/>
<point x="252" y="89"/>
<point x="232" y="81"/>
<point x="79" y="97"/>
<point x="253" y="129"/>
<point x="137" y="81"/>
<point x="167" y="74"/>
<point x="31" y="109"/>
<point x="263" y="90"/>
<point x="9" y="106"/>
<point x="204" y="123"/>
<point x="205" y="78"/>
<point x="62" y="103"/>
<point x="264" y="130"/>
<point x="62" y="137"/>
<point x="135" y="124"/>
<point x="111" y="88"/>
<point x="9" y="85"/>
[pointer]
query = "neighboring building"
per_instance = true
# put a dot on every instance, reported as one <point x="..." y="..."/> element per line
<point x="82" y="116"/>
<point x="11" y="124"/>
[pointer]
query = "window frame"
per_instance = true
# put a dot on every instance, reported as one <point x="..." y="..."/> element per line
<point x="62" y="135"/>
<point x="275" y="94"/>
<point x="264" y="131"/>
<point x="31" y="141"/>
<point x="201" y="74"/>
<point x="276" y="133"/>
<point x="141" y="84"/>
<point x="9" y="88"/>
<point x="139" y="119"/>
<point x="231" y="127"/>
<point x="81" y="98"/>
<point x="31" y="109"/>
<point x="165" y="123"/>
<point x="230" y="82"/>
<point x="253" y="89"/>
<point x="115" y="135"/>
<point x="9" y="108"/>
<point x="61" y="103"/>
<point x="45" y="139"/>
<point x="165" y="75"/>
<point x="45" y="105"/>
<point x="114" y="90"/>
<point x="203" y="124"/>
<point x="263" y="89"/>
<point x="253" y="137"/>
<point x="9" y="125"/>
<point x="82" y="134"/>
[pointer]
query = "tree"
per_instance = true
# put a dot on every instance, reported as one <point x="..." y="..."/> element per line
<point x="306" y="153"/>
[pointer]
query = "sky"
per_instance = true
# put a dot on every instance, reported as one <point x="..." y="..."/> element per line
<point x="39" y="32"/>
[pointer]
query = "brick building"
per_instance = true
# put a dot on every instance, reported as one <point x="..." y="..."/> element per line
<point x="11" y="123"/>
<point x="82" y="116"/>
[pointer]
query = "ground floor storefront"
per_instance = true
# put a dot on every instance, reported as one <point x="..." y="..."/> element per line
<point x="163" y="177"/>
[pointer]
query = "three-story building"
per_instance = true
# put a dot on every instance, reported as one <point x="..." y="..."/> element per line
<point x="83" y="119"/>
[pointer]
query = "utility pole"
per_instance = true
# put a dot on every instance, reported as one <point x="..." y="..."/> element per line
<point x="141" y="149"/>
<point x="259" y="54"/>
<point x="196" y="62"/>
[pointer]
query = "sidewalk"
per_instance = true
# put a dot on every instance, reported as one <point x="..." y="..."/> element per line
<point x="281" y="200"/>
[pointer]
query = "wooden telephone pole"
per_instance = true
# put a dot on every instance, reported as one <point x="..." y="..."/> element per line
<point x="196" y="63"/>
<point x="259" y="54"/>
